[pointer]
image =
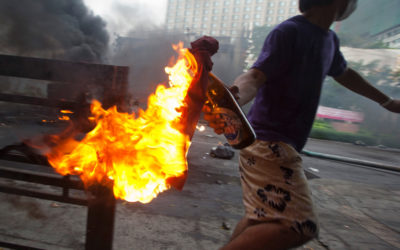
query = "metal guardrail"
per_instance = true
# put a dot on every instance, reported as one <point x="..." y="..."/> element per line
<point x="352" y="160"/>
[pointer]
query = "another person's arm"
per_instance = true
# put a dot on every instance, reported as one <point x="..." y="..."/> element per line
<point x="356" y="83"/>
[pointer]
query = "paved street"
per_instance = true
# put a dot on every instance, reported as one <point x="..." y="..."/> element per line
<point x="358" y="206"/>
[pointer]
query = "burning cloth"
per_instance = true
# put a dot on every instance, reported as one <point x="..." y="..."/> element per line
<point x="140" y="155"/>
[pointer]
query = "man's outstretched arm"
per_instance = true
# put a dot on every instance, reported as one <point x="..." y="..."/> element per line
<point x="356" y="83"/>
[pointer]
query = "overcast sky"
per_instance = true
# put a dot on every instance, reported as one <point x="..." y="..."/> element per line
<point x="123" y="16"/>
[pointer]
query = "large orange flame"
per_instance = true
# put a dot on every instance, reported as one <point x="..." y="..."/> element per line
<point x="138" y="153"/>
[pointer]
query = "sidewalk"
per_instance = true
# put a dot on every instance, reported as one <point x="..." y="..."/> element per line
<point x="356" y="216"/>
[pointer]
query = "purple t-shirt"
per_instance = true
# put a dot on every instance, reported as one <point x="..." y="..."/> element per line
<point x="296" y="57"/>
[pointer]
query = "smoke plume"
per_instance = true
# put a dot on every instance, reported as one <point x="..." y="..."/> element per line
<point x="147" y="52"/>
<point x="63" y="29"/>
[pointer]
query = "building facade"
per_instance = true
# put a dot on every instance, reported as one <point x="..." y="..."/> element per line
<point x="230" y="18"/>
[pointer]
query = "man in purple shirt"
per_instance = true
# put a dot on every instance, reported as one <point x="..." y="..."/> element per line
<point x="286" y="81"/>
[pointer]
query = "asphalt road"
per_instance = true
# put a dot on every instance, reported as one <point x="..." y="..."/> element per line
<point x="204" y="213"/>
<point x="328" y="169"/>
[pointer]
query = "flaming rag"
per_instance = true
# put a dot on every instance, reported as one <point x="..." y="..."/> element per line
<point x="202" y="49"/>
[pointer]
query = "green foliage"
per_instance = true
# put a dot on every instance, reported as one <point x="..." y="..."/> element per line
<point x="324" y="131"/>
<point x="258" y="37"/>
<point x="356" y="41"/>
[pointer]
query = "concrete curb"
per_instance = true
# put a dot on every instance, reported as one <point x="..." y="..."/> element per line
<point x="351" y="160"/>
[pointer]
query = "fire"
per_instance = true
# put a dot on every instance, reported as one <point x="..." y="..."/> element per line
<point x="63" y="118"/>
<point x="66" y="111"/>
<point x="140" y="154"/>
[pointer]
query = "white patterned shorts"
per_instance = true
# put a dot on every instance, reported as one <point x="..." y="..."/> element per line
<point x="275" y="187"/>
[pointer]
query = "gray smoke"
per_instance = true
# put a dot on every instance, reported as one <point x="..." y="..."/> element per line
<point x="147" y="52"/>
<point x="130" y="17"/>
<point x="63" y="29"/>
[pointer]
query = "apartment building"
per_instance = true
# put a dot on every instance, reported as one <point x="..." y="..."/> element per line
<point x="229" y="18"/>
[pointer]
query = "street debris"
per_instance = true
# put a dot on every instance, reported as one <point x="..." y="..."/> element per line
<point x="359" y="143"/>
<point x="222" y="151"/>
<point x="225" y="226"/>
<point x="314" y="170"/>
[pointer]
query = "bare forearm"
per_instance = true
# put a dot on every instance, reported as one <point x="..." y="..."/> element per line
<point x="356" y="83"/>
<point x="248" y="85"/>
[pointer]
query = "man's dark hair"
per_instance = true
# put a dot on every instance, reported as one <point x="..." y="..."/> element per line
<point x="305" y="5"/>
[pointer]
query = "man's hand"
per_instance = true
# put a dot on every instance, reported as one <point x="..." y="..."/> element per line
<point x="393" y="106"/>
<point x="215" y="121"/>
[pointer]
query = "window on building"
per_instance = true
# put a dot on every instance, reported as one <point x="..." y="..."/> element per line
<point x="205" y="18"/>
<point x="281" y="3"/>
<point x="215" y="18"/>
<point x="236" y="9"/>
<point x="216" y="3"/>
<point x="280" y="18"/>
<point x="260" y="1"/>
<point x="257" y="16"/>
<point x="292" y="10"/>
<point x="294" y="2"/>
<point x="270" y="12"/>
<point x="237" y="1"/>
<point x="215" y="11"/>
<point x="227" y="2"/>
<point x="234" y="24"/>
<point x="281" y="11"/>
<point x="235" y="17"/>
<point x="246" y="16"/>
<point x="204" y="25"/>
<point x="248" y="1"/>
<point x="258" y="8"/>
<point x="271" y="4"/>
<point x="247" y="8"/>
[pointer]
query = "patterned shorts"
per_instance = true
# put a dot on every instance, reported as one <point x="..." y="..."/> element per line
<point x="275" y="187"/>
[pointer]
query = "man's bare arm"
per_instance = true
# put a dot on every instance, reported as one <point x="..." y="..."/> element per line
<point x="248" y="84"/>
<point x="356" y="83"/>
